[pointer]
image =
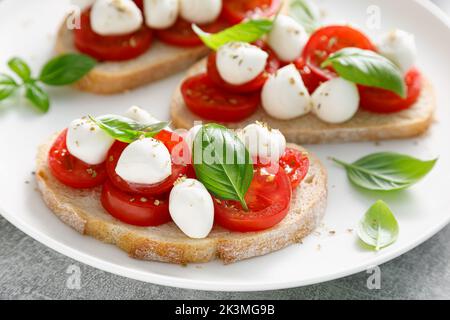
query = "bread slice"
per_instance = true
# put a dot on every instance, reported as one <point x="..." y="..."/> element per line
<point x="159" y="61"/>
<point x="81" y="209"/>
<point x="308" y="129"/>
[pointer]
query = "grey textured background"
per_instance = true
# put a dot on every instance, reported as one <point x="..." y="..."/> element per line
<point x="29" y="270"/>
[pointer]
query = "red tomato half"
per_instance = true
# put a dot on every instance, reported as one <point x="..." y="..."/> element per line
<point x="237" y="10"/>
<point x="383" y="101"/>
<point x="268" y="200"/>
<point x="326" y="41"/>
<point x="170" y="140"/>
<point x="182" y="35"/>
<point x="212" y="103"/>
<point x="254" y="85"/>
<point x="330" y="39"/>
<point x="70" y="170"/>
<point x="135" y="210"/>
<point x="111" y="48"/>
<point x="296" y="164"/>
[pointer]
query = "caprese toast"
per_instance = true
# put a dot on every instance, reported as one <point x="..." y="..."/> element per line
<point x="334" y="85"/>
<point x="185" y="197"/>
<point x="141" y="41"/>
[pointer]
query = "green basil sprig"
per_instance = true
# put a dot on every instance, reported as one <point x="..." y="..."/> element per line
<point x="20" y="68"/>
<point x="248" y="31"/>
<point x="61" y="70"/>
<point x="302" y="11"/>
<point x="378" y="228"/>
<point x="386" y="171"/>
<point x="222" y="163"/>
<point x="367" y="68"/>
<point x="66" y="69"/>
<point x="7" y="86"/>
<point x="127" y="130"/>
<point x="37" y="96"/>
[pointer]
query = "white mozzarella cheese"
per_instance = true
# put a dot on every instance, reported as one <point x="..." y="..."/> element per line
<point x="191" y="208"/>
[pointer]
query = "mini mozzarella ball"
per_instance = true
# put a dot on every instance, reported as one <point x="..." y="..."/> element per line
<point x="191" y="134"/>
<point x="143" y="117"/>
<point x="191" y="208"/>
<point x="336" y="100"/>
<point x="140" y="116"/>
<point x="87" y="142"/>
<point x="115" y="17"/>
<point x="239" y="62"/>
<point x="284" y="95"/>
<point x="287" y="38"/>
<point x="400" y="47"/>
<point x="145" y="161"/>
<point x="262" y="141"/>
<point x="161" y="14"/>
<point x="200" y="11"/>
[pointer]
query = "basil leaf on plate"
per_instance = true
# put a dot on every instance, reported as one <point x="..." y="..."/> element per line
<point x="387" y="171"/>
<point x="378" y="228"/>
<point x="7" y="86"/>
<point x="127" y="130"/>
<point x="304" y="13"/>
<point x="37" y="96"/>
<point x="367" y="68"/>
<point x="222" y="163"/>
<point x="248" y="31"/>
<point x="66" y="69"/>
<point x="20" y="68"/>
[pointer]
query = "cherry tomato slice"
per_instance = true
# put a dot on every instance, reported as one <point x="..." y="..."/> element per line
<point x="237" y="10"/>
<point x="328" y="40"/>
<point x="135" y="210"/>
<point x="296" y="164"/>
<point x="70" y="170"/>
<point x="182" y="35"/>
<point x="383" y="101"/>
<point x="311" y="78"/>
<point x="179" y="168"/>
<point x="254" y="85"/>
<point x="268" y="200"/>
<point x="212" y="103"/>
<point x="111" y="48"/>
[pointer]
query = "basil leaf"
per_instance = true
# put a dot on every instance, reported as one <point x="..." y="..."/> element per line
<point x="37" y="96"/>
<point x="127" y="130"/>
<point x="66" y="69"/>
<point x="304" y="13"/>
<point x="367" y="68"/>
<point x="248" y="31"/>
<point x="378" y="228"/>
<point x="387" y="171"/>
<point x="21" y="68"/>
<point x="7" y="86"/>
<point x="222" y="163"/>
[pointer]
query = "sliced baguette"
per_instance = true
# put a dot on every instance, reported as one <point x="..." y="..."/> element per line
<point x="81" y="209"/>
<point x="159" y="61"/>
<point x="308" y="129"/>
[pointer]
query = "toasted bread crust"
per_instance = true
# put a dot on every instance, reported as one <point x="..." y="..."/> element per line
<point x="158" y="62"/>
<point x="308" y="129"/>
<point x="81" y="209"/>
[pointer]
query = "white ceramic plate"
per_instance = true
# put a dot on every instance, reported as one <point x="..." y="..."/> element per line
<point x="27" y="29"/>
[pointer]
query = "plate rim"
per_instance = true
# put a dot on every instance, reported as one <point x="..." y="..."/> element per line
<point x="170" y="281"/>
<point x="212" y="285"/>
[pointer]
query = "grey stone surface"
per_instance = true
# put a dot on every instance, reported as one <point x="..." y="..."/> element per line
<point x="29" y="270"/>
